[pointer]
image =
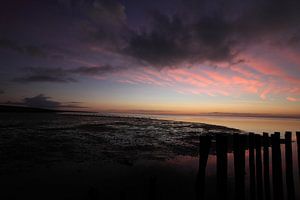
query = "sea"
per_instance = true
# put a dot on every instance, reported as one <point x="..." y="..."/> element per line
<point x="255" y="124"/>
<point x="248" y="124"/>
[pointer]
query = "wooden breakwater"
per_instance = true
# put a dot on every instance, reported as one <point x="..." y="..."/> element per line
<point x="268" y="179"/>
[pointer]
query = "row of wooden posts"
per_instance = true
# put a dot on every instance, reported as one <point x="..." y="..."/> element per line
<point x="259" y="167"/>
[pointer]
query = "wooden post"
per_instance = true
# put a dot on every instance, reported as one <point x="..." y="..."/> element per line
<point x="259" y="180"/>
<point x="266" y="144"/>
<point x="252" y="167"/>
<point x="221" y="150"/>
<point x="152" y="188"/>
<point x="236" y="157"/>
<point x="289" y="166"/>
<point x="298" y="149"/>
<point x="276" y="167"/>
<point x="239" y="143"/>
<point x="243" y="143"/>
<point x="204" y="147"/>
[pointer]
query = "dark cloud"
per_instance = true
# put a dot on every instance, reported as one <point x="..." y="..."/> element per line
<point x="61" y="75"/>
<point x="163" y="45"/>
<point x="1" y="91"/>
<point x="9" y="44"/>
<point x="93" y="71"/>
<point x="42" y="101"/>
<point x="44" y="78"/>
<point x="42" y="74"/>
<point x="195" y="31"/>
<point x="34" y="51"/>
<point x="213" y="31"/>
<point x="171" y="42"/>
<point x="57" y="57"/>
<point x="104" y="21"/>
<point x="30" y="50"/>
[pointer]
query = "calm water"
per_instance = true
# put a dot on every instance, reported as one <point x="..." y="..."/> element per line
<point x="248" y="124"/>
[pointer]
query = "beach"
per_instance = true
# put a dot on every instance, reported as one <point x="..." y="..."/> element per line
<point x="91" y="156"/>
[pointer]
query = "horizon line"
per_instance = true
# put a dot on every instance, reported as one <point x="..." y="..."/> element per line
<point x="168" y="112"/>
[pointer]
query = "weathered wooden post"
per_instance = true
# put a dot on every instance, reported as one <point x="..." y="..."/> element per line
<point x="236" y="157"/>
<point x="252" y="167"/>
<point x="298" y="149"/>
<point x="259" y="180"/>
<point x="289" y="166"/>
<point x="243" y="144"/>
<point x="276" y="167"/>
<point x="239" y="143"/>
<point x="152" y="188"/>
<point x="221" y="150"/>
<point x="266" y="144"/>
<point x="204" y="147"/>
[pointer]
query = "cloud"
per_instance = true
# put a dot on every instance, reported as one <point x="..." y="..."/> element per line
<point x="44" y="78"/>
<point x="34" y="51"/>
<point x="104" y="21"/>
<point x="293" y="99"/>
<point x="30" y="50"/>
<point x="172" y="42"/>
<point x="1" y="91"/>
<point x="9" y="44"/>
<point x="42" y="101"/>
<point x="93" y="71"/>
<point x="61" y="75"/>
<point x="205" y="31"/>
<point x="39" y="74"/>
<point x="194" y="32"/>
<point x="205" y="80"/>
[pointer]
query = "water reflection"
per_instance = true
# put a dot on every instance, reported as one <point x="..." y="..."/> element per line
<point x="249" y="124"/>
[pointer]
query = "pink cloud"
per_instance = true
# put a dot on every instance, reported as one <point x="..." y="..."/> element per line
<point x="244" y="71"/>
<point x="189" y="74"/>
<point x="293" y="99"/>
<point x="264" y="79"/>
<point x="264" y="93"/>
<point x="266" y="67"/>
<point x="221" y="78"/>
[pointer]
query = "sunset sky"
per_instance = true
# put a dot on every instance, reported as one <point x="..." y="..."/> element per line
<point x="179" y="56"/>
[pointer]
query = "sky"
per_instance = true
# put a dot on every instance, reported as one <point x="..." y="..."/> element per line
<point x="159" y="56"/>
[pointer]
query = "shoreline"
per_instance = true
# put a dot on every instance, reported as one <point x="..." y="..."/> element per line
<point x="48" y="138"/>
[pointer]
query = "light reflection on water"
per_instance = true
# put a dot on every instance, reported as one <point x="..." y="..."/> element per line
<point x="249" y="124"/>
<point x="244" y="123"/>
